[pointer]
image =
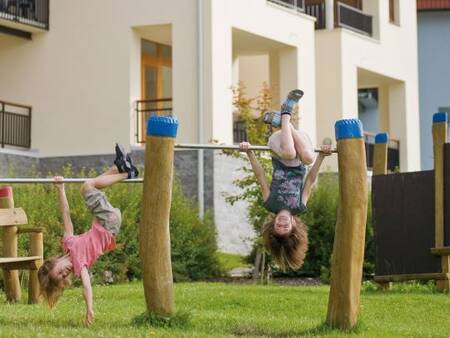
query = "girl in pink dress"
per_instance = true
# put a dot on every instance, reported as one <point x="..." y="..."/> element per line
<point x="81" y="251"/>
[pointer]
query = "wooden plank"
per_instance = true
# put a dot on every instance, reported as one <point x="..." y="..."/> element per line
<point x="13" y="216"/>
<point x="30" y="230"/>
<point x="403" y="217"/>
<point x="443" y="251"/>
<point x="447" y="194"/>
<point x="20" y="263"/>
<point x="415" y="276"/>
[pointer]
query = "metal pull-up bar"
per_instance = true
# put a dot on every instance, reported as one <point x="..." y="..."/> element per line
<point x="65" y="180"/>
<point x="227" y="147"/>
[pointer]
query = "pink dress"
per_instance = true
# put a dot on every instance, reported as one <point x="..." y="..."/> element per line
<point x="84" y="249"/>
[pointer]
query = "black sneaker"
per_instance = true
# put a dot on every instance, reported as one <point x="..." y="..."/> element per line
<point x="133" y="172"/>
<point x="291" y="100"/>
<point x="121" y="159"/>
<point x="131" y="169"/>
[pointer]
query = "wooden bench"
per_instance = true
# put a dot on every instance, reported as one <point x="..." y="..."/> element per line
<point x="20" y="263"/>
<point x="10" y="218"/>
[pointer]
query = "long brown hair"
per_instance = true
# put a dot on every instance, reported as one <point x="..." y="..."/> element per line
<point x="51" y="288"/>
<point x="288" y="250"/>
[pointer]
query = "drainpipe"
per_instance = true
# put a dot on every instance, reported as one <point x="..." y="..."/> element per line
<point x="329" y="14"/>
<point x="200" y="126"/>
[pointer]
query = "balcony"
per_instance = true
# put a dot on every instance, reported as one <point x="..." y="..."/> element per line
<point x="353" y="18"/>
<point x="297" y="5"/>
<point x="146" y="108"/>
<point x="15" y="125"/>
<point x="344" y="15"/>
<point x="22" y="17"/>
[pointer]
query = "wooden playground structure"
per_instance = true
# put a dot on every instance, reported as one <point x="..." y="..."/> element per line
<point x="154" y="235"/>
<point x="10" y="219"/>
<point x="411" y="216"/>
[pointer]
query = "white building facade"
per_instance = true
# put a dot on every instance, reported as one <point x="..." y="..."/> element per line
<point x="93" y="72"/>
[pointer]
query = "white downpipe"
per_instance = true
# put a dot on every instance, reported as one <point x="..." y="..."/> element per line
<point x="200" y="169"/>
<point x="329" y="14"/>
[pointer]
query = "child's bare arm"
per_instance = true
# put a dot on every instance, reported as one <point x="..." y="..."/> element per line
<point x="257" y="169"/>
<point x="64" y="206"/>
<point x="87" y="293"/>
<point x="311" y="178"/>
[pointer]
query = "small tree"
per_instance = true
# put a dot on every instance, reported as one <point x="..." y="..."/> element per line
<point x="249" y="111"/>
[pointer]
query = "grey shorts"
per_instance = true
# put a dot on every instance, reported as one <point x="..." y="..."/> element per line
<point x="275" y="145"/>
<point x="103" y="211"/>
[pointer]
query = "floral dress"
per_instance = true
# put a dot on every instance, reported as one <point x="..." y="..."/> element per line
<point x="286" y="188"/>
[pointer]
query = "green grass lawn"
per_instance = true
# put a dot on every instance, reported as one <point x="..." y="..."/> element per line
<point x="232" y="310"/>
<point x="229" y="261"/>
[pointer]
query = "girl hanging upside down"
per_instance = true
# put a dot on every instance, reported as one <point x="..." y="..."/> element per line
<point x="81" y="251"/>
<point x="285" y="235"/>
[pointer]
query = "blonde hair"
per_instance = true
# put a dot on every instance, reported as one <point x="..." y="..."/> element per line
<point x="51" y="288"/>
<point x="288" y="250"/>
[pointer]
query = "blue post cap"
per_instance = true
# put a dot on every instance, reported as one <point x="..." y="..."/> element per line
<point x="440" y="117"/>
<point x="381" y="138"/>
<point x="162" y="126"/>
<point x="348" y="128"/>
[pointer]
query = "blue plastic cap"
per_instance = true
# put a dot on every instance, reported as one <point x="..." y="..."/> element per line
<point x="348" y="128"/>
<point x="381" y="138"/>
<point x="440" y="117"/>
<point x="162" y="126"/>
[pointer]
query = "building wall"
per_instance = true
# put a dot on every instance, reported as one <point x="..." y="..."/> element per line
<point x="83" y="75"/>
<point x="234" y="232"/>
<point x="434" y="74"/>
<point x="295" y="68"/>
<point x="342" y="54"/>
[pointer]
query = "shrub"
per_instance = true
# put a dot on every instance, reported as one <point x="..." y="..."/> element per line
<point x="193" y="240"/>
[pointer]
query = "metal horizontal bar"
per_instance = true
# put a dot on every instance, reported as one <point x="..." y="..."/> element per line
<point x="226" y="147"/>
<point x="66" y="180"/>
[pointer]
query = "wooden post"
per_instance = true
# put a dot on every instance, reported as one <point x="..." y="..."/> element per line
<point x="348" y="249"/>
<point x="154" y="238"/>
<point x="439" y="138"/>
<point x="9" y="238"/>
<point x="380" y="154"/>
<point x="36" y="249"/>
<point x="380" y="160"/>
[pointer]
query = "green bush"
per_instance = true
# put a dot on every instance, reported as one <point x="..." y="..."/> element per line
<point x="193" y="240"/>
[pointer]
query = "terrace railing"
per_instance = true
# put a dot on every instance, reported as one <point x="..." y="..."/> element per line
<point x="298" y="5"/>
<point x="147" y="108"/>
<point x="239" y="132"/>
<point x="29" y="12"/>
<point x="354" y="19"/>
<point x="15" y="125"/>
<point x="317" y="10"/>
<point x="393" y="152"/>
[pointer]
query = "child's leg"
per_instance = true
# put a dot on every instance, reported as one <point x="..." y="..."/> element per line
<point x="303" y="146"/>
<point x="287" y="145"/>
<point x="106" y="179"/>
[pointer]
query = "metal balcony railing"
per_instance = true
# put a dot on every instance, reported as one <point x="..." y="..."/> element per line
<point x="15" y="125"/>
<point x="354" y="19"/>
<point x="317" y="10"/>
<point x="29" y="12"/>
<point x="393" y="152"/>
<point x="147" y="108"/>
<point x="298" y="5"/>
<point x="239" y="132"/>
